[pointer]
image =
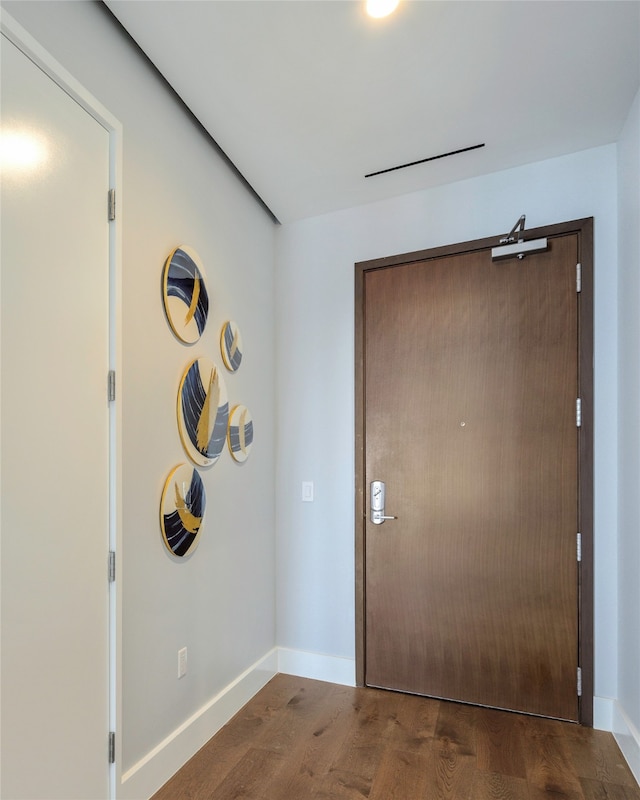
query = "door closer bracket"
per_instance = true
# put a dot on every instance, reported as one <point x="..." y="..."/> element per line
<point x="511" y="247"/>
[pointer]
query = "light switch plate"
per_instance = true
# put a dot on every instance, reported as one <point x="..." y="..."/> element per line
<point x="182" y="662"/>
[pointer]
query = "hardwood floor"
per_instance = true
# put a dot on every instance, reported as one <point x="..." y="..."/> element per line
<point x="300" y="739"/>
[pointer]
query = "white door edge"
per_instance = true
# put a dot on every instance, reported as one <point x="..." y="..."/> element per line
<point x="22" y="39"/>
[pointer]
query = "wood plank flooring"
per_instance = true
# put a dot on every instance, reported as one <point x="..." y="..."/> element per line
<point x="299" y="739"/>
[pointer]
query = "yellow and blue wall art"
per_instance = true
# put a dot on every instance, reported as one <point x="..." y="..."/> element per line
<point x="240" y="434"/>
<point x="203" y="412"/>
<point x="186" y="301"/>
<point x="205" y="423"/>
<point x="231" y="345"/>
<point x="182" y="509"/>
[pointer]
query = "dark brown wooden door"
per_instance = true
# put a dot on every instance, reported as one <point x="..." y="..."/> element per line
<point x="471" y="376"/>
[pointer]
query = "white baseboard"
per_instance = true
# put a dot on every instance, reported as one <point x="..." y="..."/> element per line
<point x="608" y="715"/>
<point x="155" y="769"/>
<point x="151" y="772"/>
<point x="628" y="738"/>
<point x="318" y="666"/>
<point x="603" y="713"/>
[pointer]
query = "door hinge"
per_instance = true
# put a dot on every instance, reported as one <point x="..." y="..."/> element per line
<point x="578" y="413"/>
<point x="579" y="681"/>
<point x="112" y="204"/>
<point x="579" y="547"/>
<point x="111" y="385"/>
<point x="112" y="747"/>
<point x="112" y="566"/>
<point x="578" y="277"/>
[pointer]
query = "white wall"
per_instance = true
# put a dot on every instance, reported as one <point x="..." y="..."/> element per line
<point x="219" y="602"/>
<point x="627" y="718"/>
<point x="315" y="357"/>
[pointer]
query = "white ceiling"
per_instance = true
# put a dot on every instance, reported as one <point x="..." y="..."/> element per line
<point x="308" y="96"/>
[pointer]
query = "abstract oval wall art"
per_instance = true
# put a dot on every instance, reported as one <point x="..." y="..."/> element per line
<point x="182" y="509"/>
<point x="203" y="412"/>
<point x="240" y="434"/>
<point x="186" y="302"/>
<point x="231" y="345"/>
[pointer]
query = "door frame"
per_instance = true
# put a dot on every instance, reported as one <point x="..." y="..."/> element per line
<point x="33" y="50"/>
<point x="584" y="229"/>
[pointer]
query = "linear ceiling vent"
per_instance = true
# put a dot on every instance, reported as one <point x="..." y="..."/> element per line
<point x="424" y="160"/>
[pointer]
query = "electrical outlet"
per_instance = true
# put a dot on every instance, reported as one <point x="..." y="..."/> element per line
<point x="182" y="662"/>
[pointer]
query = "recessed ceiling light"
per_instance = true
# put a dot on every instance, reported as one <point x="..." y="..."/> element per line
<point x="381" y="8"/>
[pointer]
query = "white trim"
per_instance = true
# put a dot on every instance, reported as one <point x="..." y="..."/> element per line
<point x="628" y="738"/>
<point x="20" y="37"/>
<point x="318" y="666"/>
<point x="608" y="715"/>
<point x="54" y="69"/>
<point x="155" y="769"/>
<point x="145" y="777"/>
<point x="603" y="713"/>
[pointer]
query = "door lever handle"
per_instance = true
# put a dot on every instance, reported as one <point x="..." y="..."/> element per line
<point x="378" y="518"/>
<point x="377" y="503"/>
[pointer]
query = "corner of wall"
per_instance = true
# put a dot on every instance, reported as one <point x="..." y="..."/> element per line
<point x="628" y="738"/>
<point x="317" y="666"/>
<point x="626" y="706"/>
<point x="603" y="713"/>
<point x="155" y="769"/>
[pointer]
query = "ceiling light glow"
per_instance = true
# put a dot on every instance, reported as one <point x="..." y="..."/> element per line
<point x="21" y="151"/>
<point x="381" y="8"/>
